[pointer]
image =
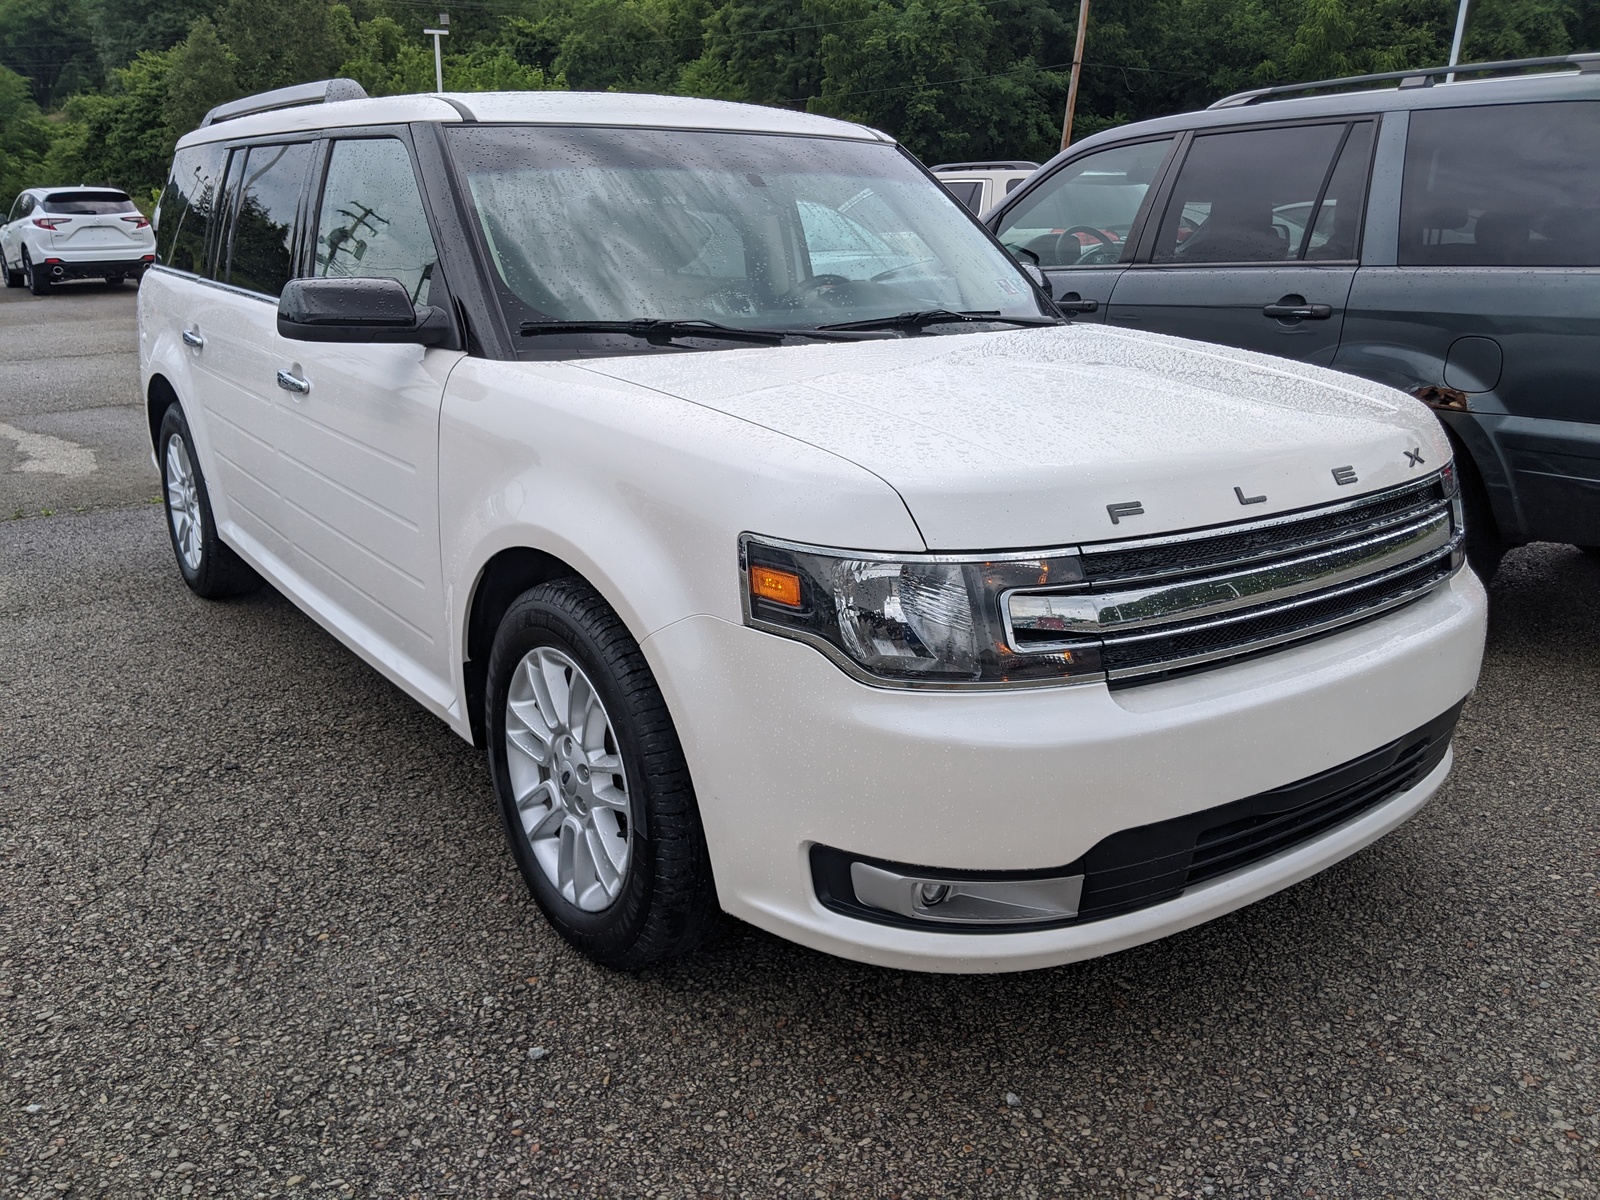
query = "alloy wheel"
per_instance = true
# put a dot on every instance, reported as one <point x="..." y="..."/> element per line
<point x="183" y="503"/>
<point x="568" y="779"/>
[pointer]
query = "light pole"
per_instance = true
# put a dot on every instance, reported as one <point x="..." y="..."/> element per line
<point x="1455" y="45"/>
<point x="438" y="56"/>
<point x="1077" y="69"/>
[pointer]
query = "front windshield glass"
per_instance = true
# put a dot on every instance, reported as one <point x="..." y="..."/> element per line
<point x="757" y="231"/>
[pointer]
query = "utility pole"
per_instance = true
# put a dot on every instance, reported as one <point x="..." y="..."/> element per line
<point x="1077" y="69"/>
<point x="1455" y="46"/>
<point x="438" y="56"/>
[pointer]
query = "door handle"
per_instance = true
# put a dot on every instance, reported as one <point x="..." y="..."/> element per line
<point x="293" y="383"/>
<point x="1072" y="302"/>
<point x="191" y="338"/>
<point x="1295" y="308"/>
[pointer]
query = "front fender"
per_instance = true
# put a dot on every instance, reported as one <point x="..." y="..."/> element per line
<point x="642" y="493"/>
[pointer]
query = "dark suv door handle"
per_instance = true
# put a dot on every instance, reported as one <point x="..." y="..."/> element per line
<point x="1072" y="302"/>
<point x="1295" y="308"/>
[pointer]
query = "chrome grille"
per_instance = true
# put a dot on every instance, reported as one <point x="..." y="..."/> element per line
<point x="1158" y="606"/>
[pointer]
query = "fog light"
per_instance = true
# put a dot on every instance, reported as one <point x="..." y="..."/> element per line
<point x="967" y="901"/>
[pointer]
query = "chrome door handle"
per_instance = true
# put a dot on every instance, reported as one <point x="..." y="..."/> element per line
<point x="293" y="383"/>
<point x="191" y="338"/>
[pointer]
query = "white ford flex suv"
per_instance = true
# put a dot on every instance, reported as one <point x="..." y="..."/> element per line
<point x="786" y="550"/>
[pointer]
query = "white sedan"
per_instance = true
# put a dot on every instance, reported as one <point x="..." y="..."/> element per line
<point x="55" y="234"/>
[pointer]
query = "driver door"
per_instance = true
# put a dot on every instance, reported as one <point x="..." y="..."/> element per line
<point x="1257" y="241"/>
<point x="1083" y="219"/>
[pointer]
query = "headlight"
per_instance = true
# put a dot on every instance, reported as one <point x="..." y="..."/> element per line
<point x="908" y="620"/>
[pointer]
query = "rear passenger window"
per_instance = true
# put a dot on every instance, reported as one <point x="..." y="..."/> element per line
<point x="260" y="241"/>
<point x="371" y="223"/>
<point x="190" y="206"/>
<point x="1509" y="186"/>
<point x="1081" y="216"/>
<point x="1268" y="195"/>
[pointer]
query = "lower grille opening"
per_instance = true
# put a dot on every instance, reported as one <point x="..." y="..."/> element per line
<point x="1136" y="868"/>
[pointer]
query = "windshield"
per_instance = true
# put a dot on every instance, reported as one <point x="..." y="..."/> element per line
<point x="763" y="232"/>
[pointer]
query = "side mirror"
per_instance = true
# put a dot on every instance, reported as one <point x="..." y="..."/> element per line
<point x="357" y="310"/>
<point x="1032" y="269"/>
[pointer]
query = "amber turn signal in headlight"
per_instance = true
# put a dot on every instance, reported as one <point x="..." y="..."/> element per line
<point x="781" y="587"/>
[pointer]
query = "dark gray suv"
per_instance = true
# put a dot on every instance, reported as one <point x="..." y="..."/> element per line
<point x="1440" y="236"/>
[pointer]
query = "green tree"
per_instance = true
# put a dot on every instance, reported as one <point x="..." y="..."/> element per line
<point x="200" y="76"/>
<point x="24" y="138"/>
<point x="48" y="42"/>
<point x="276" y="43"/>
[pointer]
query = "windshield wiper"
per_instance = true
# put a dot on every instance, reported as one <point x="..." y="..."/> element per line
<point x="940" y="316"/>
<point x="660" y="332"/>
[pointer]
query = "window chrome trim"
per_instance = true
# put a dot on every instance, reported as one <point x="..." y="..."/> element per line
<point x="1103" y="614"/>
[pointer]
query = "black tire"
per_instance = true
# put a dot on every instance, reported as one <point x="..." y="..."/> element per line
<point x="218" y="572"/>
<point x="114" y="280"/>
<point x="1485" y="546"/>
<point x="13" y="278"/>
<point x="38" y="283"/>
<point x="666" y="904"/>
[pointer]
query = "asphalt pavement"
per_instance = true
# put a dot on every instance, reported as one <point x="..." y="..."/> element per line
<point x="259" y="935"/>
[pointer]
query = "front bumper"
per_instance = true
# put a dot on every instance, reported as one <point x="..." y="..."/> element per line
<point x="788" y="753"/>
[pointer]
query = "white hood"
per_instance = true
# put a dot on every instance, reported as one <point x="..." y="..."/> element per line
<point x="1023" y="438"/>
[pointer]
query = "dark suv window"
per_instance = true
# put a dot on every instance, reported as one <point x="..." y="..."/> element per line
<point x="1268" y="195"/>
<point x="260" y="241"/>
<point x="189" y="206"/>
<point x="1511" y="186"/>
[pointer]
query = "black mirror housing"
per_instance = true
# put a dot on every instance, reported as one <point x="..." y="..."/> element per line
<point x="358" y="310"/>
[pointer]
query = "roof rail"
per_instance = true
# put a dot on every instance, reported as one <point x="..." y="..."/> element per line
<point x="1417" y="77"/>
<point x="997" y="165"/>
<point x="325" y="91"/>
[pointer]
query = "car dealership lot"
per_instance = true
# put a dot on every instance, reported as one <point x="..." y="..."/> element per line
<point x="259" y="933"/>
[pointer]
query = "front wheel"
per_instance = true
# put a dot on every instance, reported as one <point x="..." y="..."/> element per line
<point x="593" y="787"/>
<point x="210" y="568"/>
<point x="13" y="278"/>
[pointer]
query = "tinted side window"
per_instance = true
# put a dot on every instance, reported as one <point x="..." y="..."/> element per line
<point x="1247" y="196"/>
<point x="16" y="209"/>
<point x="260" y="239"/>
<point x="1081" y="215"/>
<point x="372" y="223"/>
<point x="1517" y="185"/>
<point x="190" y="205"/>
<point x="966" y="192"/>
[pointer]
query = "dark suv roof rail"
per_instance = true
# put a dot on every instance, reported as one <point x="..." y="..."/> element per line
<point x="324" y="91"/>
<point x="997" y="165"/>
<point x="1417" y="77"/>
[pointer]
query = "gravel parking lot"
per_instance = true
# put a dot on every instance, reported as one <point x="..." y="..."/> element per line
<point x="259" y="937"/>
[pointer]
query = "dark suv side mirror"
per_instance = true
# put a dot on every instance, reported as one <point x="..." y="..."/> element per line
<point x="357" y="310"/>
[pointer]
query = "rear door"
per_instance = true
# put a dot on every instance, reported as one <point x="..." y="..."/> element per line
<point x="1082" y="220"/>
<point x="1257" y="241"/>
<point x="360" y="443"/>
<point x="238" y="330"/>
<point x="1489" y="301"/>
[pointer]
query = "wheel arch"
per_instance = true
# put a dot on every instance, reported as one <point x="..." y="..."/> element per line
<point x="160" y="395"/>
<point x="504" y="577"/>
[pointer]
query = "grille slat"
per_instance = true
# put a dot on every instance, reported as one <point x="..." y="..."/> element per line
<point x="1278" y="559"/>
